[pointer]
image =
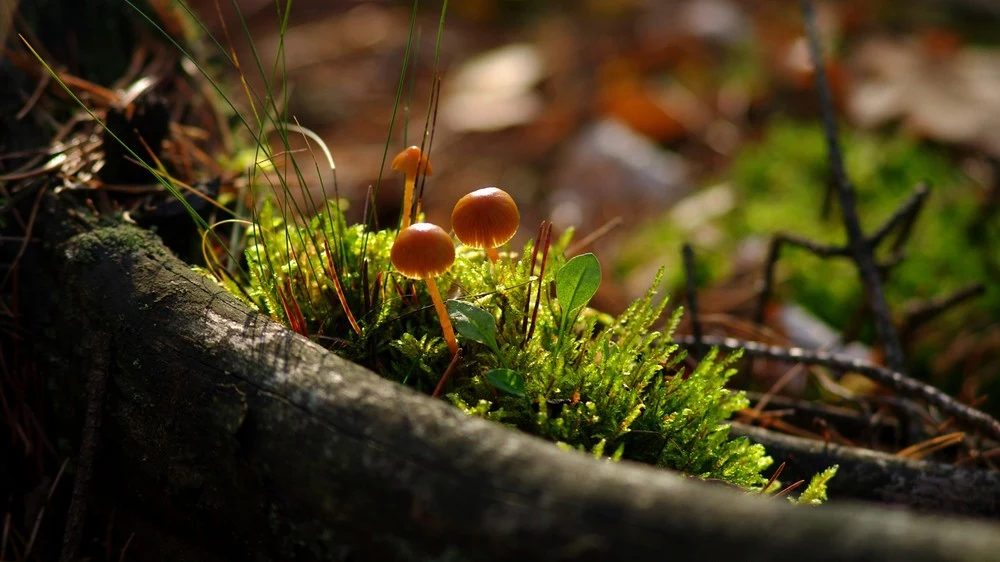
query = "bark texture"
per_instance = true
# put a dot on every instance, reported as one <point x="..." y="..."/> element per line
<point x="254" y="443"/>
<point x="224" y="436"/>
<point x="873" y="476"/>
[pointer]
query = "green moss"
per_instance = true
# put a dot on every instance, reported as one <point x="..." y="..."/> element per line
<point x="815" y="492"/>
<point x="783" y="181"/>
<point x="92" y="245"/>
<point x="604" y="385"/>
<point x="778" y="185"/>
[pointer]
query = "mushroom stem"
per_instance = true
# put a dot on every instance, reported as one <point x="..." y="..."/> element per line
<point x="493" y="254"/>
<point x="411" y="180"/>
<point x="449" y="333"/>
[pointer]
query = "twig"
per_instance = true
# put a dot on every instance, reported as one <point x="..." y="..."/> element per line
<point x="887" y="265"/>
<point x="128" y="542"/>
<point x="4" y="536"/>
<point x="788" y="489"/>
<point x="918" y="314"/>
<point x="429" y="129"/>
<point x="774" y="253"/>
<point x="770" y="481"/>
<point x="28" y="235"/>
<point x="531" y="271"/>
<point x="894" y="380"/>
<point x="691" y="290"/>
<point x="41" y="512"/>
<point x="932" y="445"/>
<point x="860" y="249"/>
<point x="541" y="281"/>
<point x="904" y="217"/>
<point x="884" y="478"/>
<point x="447" y="373"/>
<point x="589" y="239"/>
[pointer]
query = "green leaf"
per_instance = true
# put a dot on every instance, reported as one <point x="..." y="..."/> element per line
<point x="473" y="323"/>
<point x="507" y="380"/>
<point x="576" y="284"/>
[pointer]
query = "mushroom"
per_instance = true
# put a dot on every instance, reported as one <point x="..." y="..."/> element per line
<point x="421" y="251"/>
<point x="410" y="161"/>
<point x="485" y="218"/>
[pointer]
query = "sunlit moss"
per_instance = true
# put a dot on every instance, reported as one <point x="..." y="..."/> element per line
<point x="608" y="386"/>
<point x="778" y="185"/>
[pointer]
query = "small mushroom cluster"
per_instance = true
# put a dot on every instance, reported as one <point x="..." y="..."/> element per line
<point x="486" y="219"/>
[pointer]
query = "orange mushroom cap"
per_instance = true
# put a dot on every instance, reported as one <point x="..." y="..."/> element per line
<point x="485" y="218"/>
<point x="410" y="160"/>
<point x="422" y="250"/>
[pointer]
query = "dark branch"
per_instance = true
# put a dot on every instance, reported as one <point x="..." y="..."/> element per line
<point x="916" y="315"/>
<point x="904" y="217"/>
<point x="774" y="254"/>
<point x="894" y="380"/>
<point x="691" y="289"/>
<point x="874" y="476"/>
<point x="226" y="427"/>
<point x="860" y="249"/>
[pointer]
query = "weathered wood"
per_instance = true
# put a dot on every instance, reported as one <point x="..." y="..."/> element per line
<point x="226" y="437"/>
<point x="880" y="477"/>
<point x="229" y="429"/>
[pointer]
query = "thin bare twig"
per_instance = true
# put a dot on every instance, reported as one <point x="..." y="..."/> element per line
<point x="41" y="512"/>
<point x="902" y="220"/>
<point x="429" y="129"/>
<point x="691" y="289"/>
<point x="918" y="314"/>
<point x="531" y="271"/>
<point x="447" y="373"/>
<point x="904" y="217"/>
<point x="894" y="380"/>
<point x="28" y="235"/>
<point x="848" y="206"/>
<point x="546" y="244"/>
<point x="589" y="239"/>
<point x="774" y="254"/>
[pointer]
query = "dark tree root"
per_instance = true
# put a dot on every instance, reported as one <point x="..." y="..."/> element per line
<point x="243" y="440"/>
<point x="902" y="384"/>
<point x="879" y="477"/>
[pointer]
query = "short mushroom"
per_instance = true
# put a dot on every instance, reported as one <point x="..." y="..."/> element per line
<point x="410" y="161"/>
<point x="485" y="218"/>
<point x="421" y="251"/>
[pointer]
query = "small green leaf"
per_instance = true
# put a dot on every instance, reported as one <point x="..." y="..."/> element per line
<point x="506" y="380"/>
<point x="473" y="323"/>
<point x="576" y="283"/>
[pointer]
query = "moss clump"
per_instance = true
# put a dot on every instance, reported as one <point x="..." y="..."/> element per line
<point x="815" y="492"/>
<point x="778" y="184"/>
<point x="608" y="386"/>
<point x="783" y="180"/>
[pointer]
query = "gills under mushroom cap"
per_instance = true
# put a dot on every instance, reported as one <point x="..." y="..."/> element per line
<point x="485" y="218"/>
<point x="422" y="250"/>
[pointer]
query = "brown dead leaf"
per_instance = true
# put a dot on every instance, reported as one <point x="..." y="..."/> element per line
<point x="936" y="88"/>
<point x="495" y="90"/>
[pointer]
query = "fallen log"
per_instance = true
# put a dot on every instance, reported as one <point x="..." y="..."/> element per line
<point x="248" y="441"/>
<point x="874" y="476"/>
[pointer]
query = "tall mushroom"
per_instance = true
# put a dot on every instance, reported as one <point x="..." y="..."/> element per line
<point x="422" y="251"/>
<point x="485" y="218"/>
<point x="410" y="161"/>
